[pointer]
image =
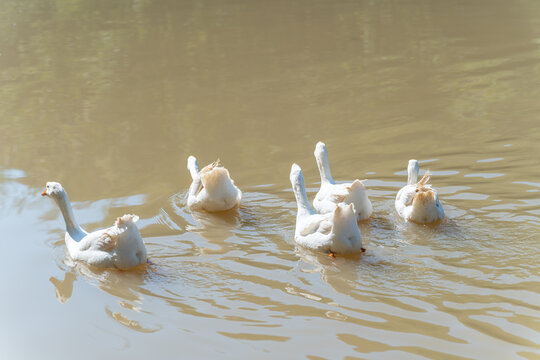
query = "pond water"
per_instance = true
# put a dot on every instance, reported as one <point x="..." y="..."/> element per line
<point x="110" y="98"/>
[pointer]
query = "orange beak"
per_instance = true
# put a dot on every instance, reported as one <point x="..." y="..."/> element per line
<point x="44" y="193"/>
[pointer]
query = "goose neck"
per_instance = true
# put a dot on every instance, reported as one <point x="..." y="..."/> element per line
<point x="299" y="189"/>
<point x="412" y="172"/>
<point x="193" y="167"/>
<point x="324" y="167"/>
<point x="72" y="227"/>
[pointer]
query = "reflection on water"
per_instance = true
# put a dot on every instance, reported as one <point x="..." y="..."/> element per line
<point x="63" y="288"/>
<point x="111" y="98"/>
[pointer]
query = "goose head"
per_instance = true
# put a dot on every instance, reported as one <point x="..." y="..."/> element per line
<point x="320" y="149"/>
<point x="296" y="175"/>
<point x="53" y="189"/>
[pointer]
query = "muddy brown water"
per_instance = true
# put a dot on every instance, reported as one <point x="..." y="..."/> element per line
<point x="110" y="98"/>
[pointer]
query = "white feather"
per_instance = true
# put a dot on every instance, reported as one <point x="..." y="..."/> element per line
<point x="331" y="194"/>
<point x="334" y="232"/>
<point x="418" y="201"/>
<point x="212" y="188"/>
<point x="120" y="246"/>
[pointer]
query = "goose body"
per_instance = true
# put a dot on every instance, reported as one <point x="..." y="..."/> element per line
<point x="418" y="201"/>
<point x="333" y="232"/>
<point x="120" y="246"/>
<point x="331" y="193"/>
<point x="212" y="188"/>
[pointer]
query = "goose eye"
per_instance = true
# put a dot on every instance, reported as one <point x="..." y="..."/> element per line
<point x="416" y="190"/>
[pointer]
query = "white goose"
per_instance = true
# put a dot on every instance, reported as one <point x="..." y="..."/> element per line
<point x="331" y="193"/>
<point x="120" y="246"/>
<point x="418" y="201"/>
<point x="212" y="188"/>
<point x="335" y="232"/>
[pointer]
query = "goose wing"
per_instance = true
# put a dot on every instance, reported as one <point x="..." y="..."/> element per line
<point x="102" y="240"/>
<point x="321" y="224"/>
<point x="337" y="193"/>
<point x="406" y="194"/>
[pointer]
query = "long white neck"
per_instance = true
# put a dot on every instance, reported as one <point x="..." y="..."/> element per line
<point x="412" y="172"/>
<point x="72" y="227"/>
<point x="195" y="186"/>
<point x="299" y="189"/>
<point x="321" y="155"/>
<point x="193" y="167"/>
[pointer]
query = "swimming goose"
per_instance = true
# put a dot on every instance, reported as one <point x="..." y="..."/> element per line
<point x="334" y="232"/>
<point x="331" y="193"/>
<point x="212" y="188"/>
<point x="418" y="201"/>
<point x="120" y="246"/>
